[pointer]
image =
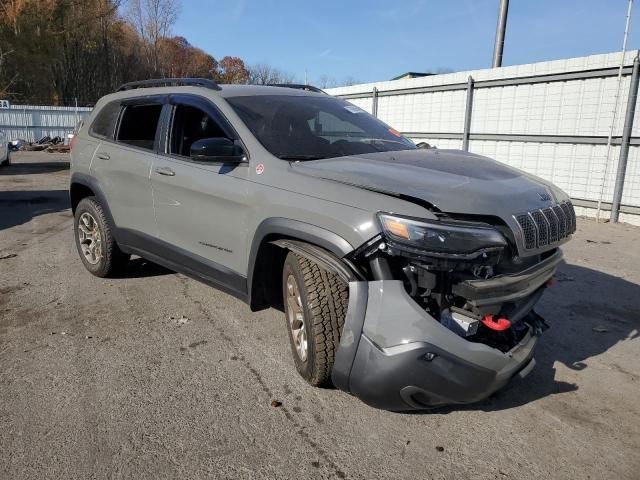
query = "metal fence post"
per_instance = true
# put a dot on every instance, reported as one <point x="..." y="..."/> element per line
<point x="374" y="102"/>
<point x="624" y="147"/>
<point x="467" y="115"/>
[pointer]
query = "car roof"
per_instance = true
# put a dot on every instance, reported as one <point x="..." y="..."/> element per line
<point x="225" y="91"/>
<point x="245" y="90"/>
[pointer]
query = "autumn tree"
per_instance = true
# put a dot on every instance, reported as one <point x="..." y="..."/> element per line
<point x="178" y="58"/>
<point x="57" y="51"/>
<point x="10" y="10"/>
<point x="232" y="70"/>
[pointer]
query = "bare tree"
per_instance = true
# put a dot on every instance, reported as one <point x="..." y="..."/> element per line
<point x="325" y="81"/>
<point x="264" y="74"/>
<point x="348" y="81"/>
<point x="5" y="85"/>
<point x="153" y="19"/>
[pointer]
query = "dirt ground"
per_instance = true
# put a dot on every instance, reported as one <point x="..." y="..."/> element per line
<point x="153" y="375"/>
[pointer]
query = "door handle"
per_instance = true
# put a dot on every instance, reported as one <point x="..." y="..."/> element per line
<point x="103" y="156"/>
<point x="165" y="171"/>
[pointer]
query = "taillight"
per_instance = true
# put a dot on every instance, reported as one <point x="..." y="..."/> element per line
<point x="73" y="136"/>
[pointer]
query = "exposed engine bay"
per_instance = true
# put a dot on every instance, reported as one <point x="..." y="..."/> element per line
<point x="465" y="274"/>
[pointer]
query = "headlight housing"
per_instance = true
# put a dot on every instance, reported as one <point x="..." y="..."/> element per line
<point x="449" y="238"/>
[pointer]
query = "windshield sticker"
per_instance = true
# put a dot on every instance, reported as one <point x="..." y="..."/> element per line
<point x="393" y="131"/>
<point x="353" y="109"/>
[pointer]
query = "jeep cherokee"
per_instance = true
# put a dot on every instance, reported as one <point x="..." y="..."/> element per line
<point x="407" y="275"/>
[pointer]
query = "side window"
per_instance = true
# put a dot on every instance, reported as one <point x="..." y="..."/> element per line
<point x="138" y="125"/>
<point x="189" y="125"/>
<point x="104" y="124"/>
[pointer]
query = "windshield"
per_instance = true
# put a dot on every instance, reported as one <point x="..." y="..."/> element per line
<point x="309" y="127"/>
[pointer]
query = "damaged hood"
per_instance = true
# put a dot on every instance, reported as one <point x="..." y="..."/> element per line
<point x="451" y="180"/>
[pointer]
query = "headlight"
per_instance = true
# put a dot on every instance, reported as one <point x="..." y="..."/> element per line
<point x="442" y="238"/>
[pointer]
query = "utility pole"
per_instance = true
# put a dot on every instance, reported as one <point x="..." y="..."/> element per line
<point x="626" y="138"/>
<point x="500" y="29"/>
<point x="614" y="115"/>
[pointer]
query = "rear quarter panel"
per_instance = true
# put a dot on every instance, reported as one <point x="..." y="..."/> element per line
<point x="85" y="146"/>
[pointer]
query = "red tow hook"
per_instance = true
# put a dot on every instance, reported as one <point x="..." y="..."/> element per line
<point x="498" y="325"/>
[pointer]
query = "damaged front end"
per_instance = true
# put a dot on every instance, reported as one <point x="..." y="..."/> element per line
<point x="447" y="316"/>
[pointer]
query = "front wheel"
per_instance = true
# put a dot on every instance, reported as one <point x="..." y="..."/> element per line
<point x="315" y="304"/>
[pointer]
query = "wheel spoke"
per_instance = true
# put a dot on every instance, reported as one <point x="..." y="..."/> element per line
<point x="90" y="238"/>
<point x="295" y="317"/>
<point x="84" y="229"/>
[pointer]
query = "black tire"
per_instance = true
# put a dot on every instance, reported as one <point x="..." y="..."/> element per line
<point x="324" y="297"/>
<point x="7" y="160"/>
<point x="112" y="259"/>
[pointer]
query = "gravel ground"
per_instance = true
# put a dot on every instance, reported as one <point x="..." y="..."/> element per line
<point x="154" y="375"/>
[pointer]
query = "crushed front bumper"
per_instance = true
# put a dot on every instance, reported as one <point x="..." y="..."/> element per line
<point x="394" y="355"/>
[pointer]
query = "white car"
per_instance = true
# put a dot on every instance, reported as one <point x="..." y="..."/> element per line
<point x="5" y="155"/>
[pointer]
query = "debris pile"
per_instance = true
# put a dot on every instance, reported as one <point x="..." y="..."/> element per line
<point x="52" y="145"/>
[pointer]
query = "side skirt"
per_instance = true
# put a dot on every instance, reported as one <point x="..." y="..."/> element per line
<point x="179" y="260"/>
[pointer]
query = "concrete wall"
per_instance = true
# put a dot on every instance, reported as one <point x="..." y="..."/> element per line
<point x="551" y="119"/>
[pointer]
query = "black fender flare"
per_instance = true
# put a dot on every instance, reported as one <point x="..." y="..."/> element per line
<point x="323" y="258"/>
<point x="92" y="184"/>
<point x="295" y="229"/>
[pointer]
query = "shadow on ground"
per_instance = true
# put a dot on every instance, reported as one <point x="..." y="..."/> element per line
<point x="33" y="168"/>
<point x="589" y="312"/>
<point x="19" y="207"/>
<point x="141" y="268"/>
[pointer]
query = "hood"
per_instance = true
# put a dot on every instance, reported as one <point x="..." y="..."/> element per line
<point x="452" y="180"/>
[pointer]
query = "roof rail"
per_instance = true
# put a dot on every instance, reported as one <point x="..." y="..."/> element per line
<point x="299" y="86"/>
<point x="170" y="82"/>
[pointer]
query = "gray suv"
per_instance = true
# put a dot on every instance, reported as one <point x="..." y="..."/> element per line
<point x="407" y="275"/>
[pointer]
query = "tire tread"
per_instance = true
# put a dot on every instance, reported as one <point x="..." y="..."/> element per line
<point x="327" y="299"/>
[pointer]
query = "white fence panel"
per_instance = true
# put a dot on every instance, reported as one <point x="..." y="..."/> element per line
<point x="32" y="122"/>
<point x="551" y="119"/>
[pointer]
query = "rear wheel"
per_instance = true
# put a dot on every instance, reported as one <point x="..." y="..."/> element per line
<point x="95" y="243"/>
<point x="315" y="303"/>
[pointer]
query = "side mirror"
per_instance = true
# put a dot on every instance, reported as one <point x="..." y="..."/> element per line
<point x="216" y="149"/>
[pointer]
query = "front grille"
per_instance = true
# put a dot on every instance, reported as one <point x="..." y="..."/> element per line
<point x="546" y="226"/>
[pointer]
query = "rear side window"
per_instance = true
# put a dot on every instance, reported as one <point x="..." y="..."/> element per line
<point x="138" y="125"/>
<point x="105" y="123"/>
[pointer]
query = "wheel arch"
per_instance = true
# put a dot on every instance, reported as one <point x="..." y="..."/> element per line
<point x="82" y="186"/>
<point x="273" y="239"/>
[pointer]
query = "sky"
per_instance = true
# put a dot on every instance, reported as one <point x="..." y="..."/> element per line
<point x="378" y="40"/>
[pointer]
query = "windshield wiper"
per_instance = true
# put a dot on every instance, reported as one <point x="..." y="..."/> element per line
<point x="301" y="157"/>
<point x="369" y="141"/>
